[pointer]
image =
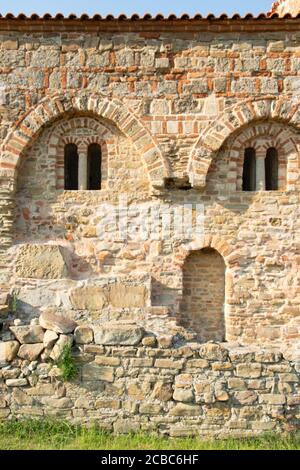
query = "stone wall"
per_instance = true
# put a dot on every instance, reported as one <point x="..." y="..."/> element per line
<point x="130" y="380"/>
<point x="173" y="106"/>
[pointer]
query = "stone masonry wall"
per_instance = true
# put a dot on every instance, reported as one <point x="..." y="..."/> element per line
<point x="129" y="380"/>
<point x="173" y="114"/>
<point x="173" y="106"/>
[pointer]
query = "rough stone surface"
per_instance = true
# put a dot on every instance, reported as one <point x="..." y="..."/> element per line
<point x="30" y="352"/>
<point x="50" y="338"/>
<point x="41" y="262"/>
<point x="8" y="351"/>
<point x="83" y="335"/>
<point x="171" y="390"/>
<point x="89" y="298"/>
<point x="118" y="334"/>
<point x="59" y="346"/>
<point x="57" y="323"/>
<point x="122" y="296"/>
<point x="28" y="334"/>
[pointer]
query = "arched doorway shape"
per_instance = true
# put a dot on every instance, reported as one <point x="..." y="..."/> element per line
<point x="203" y="297"/>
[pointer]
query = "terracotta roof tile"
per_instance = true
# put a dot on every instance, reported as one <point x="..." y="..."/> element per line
<point x="145" y="17"/>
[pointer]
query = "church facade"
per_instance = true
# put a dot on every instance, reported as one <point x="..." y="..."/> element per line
<point x="149" y="179"/>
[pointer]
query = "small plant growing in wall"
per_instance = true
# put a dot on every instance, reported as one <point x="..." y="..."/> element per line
<point x="66" y="364"/>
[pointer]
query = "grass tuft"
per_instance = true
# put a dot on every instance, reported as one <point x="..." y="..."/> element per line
<point x="66" y="364"/>
<point x="60" y="435"/>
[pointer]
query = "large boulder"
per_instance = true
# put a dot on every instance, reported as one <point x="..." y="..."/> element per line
<point x="52" y="321"/>
<point x="8" y="351"/>
<point x="41" y="262"/>
<point x="118" y="334"/>
<point x="28" y="334"/>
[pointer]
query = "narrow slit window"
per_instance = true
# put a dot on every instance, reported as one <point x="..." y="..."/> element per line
<point x="94" y="167"/>
<point x="249" y="170"/>
<point x="271" y="169"/>
<point x="71" y="167"/>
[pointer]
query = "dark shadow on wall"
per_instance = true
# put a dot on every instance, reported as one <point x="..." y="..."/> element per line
<point x="164" y="296"/>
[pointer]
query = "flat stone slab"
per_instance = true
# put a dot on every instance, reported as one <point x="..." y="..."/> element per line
<point x="41" y="262"/>
<point x="124" y="296"/>
<point x="54" y="322"/>
<point x="118" y="334"/>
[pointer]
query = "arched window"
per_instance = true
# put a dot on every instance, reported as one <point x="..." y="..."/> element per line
<point x="271" y="169"/>
<point x="71" y="167"/>
<point x="249" y="170"/>
<point x="94" y="166"/>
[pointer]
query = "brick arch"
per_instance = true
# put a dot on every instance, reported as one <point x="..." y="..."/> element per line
<point x="49" y="109"/>
<point x="62" y="133"/>
<point x="262" y="135"/>
<point x="208" y="241"/>
<point x="236" y="118"/>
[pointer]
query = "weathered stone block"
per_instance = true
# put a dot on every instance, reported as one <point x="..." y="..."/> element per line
<point x="16" y="382"/>
<point x="11" y="373"/>
<point x="126" y="426"/>
<point x="89" y="298"/>
<point x="60" y="403"/>
<point x="162" y="391"/>
<point x="168" y="364"/>
<point x="108" y="361"/>
<point x="141" y="362"/>
<point x="165" y="341"/>
<point x="8" y="351"/>
<point x="30" y="352"/>
<point x="246" y="397"/>
<point x="96" y="372"/>
<point x="150" y="409"/>
<point x="213" y="352"/>
<point x="184" y="409"/>
<point x="183" y="395"/>
<point x="28" y="334"/>
<point x="62" y="342"/>
<point x="272" y="399"/>
<point x="50" y="338"/>
<point x="118" y="334"/>
<point x="249" y="370"/>
<point x="41" y="262"/>
<point x="138" y="391"/>
<point x="2" y="402"/>
<point x="107" y="404"/>
<point x="123" y="296"/>
<point x="83" y="335"/>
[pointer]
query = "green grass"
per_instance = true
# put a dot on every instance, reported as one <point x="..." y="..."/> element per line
<point x="57" y="435"/>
